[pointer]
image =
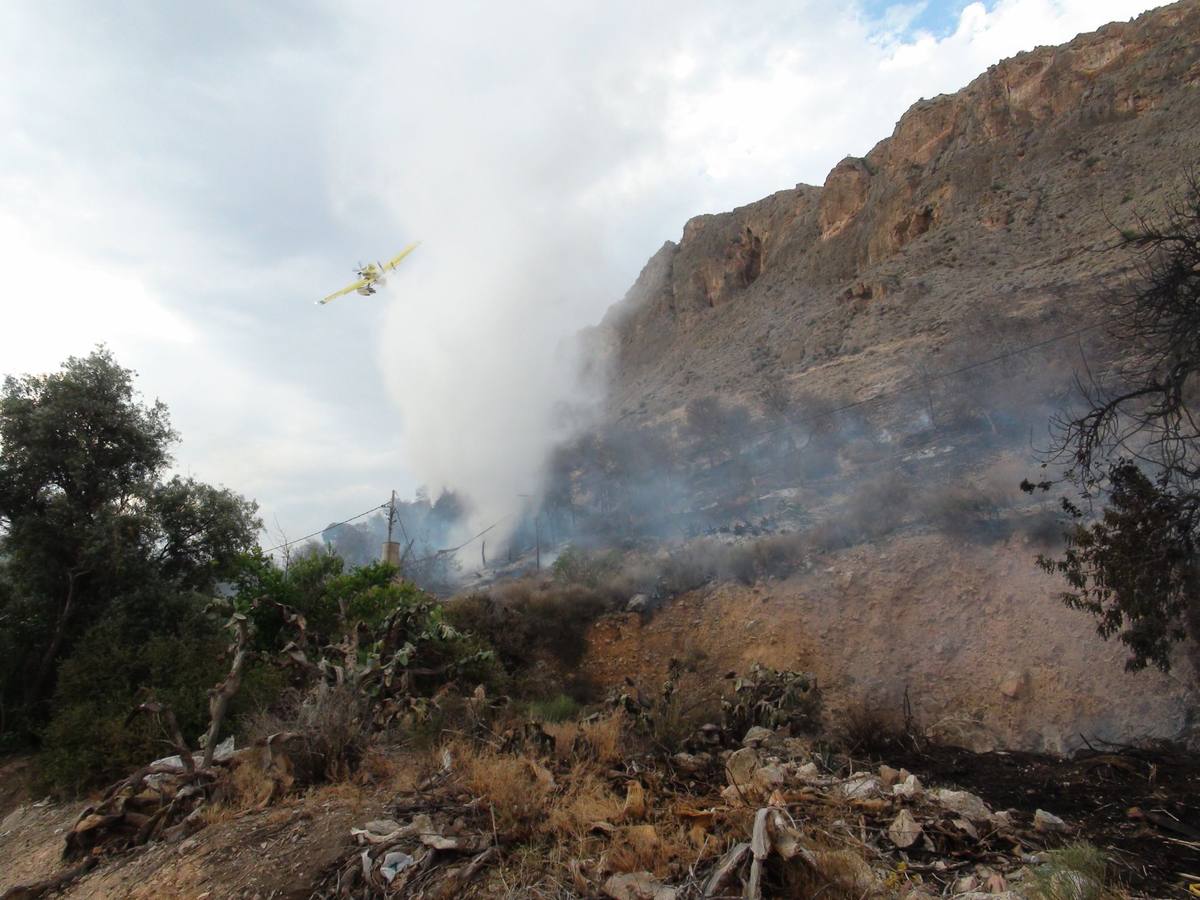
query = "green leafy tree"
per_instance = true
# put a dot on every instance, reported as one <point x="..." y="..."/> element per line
<point x="89" y="521"/>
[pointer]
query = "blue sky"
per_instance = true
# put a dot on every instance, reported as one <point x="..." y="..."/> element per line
<point x="181" y="181"/>
<point x="937" y="17"/>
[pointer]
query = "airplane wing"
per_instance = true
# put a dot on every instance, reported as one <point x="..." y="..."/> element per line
<point x="346" y="290"/>
<point x="399" y="257"/>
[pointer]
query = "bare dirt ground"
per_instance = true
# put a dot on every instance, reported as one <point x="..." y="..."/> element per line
<point x="974" y="634"/>
<point x="279" y="852"/>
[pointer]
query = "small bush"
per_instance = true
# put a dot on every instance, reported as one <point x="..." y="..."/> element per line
<point x="529" y="620"/>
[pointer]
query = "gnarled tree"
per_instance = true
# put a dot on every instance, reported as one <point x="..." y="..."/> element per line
<point x="1135" y="450"/>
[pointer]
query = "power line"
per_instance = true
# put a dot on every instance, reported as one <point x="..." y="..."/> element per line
<point x="327" y="527"/>
<point x="466" y="543"/>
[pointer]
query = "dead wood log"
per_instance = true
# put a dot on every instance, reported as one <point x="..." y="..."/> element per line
<point x="726" y="869"/>
<point x="219" y="697"/>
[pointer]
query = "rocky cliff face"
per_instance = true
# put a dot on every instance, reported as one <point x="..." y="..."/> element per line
<point x="985" y="220"/>
<point x="992" y="198"/>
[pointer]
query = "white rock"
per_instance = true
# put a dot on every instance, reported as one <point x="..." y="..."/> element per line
<point x="741" y="766"/>
<point x="904" y="830"/>
<point x="808" y="772"/>
<point x="860" y="785"/>
<point x="769" y="778"/>
<point x="965" y="804"/>
<point x="637" y="886"/>
<point x="757" y="736"/>
<point x="910" y="788"/>
<point x="1048" y="822"/>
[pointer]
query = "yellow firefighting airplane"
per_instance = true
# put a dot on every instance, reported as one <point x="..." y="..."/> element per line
<point x="371" y="275"/>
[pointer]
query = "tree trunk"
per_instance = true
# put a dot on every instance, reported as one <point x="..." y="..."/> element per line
<point x="34" y="696"/>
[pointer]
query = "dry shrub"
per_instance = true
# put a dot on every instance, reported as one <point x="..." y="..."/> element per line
<point x="587" y="800"/>
<point x="828" y="536"/>
<point x="834" y="874"/>
<point x="516" y="788"/>
<point x="644" y="848"/>
<point x="867" y="729"/>
<point x="604" y="737"/>
<point x="386" y="768"/>
<point x="333" y="720"/>
<point x="249" y="784"/>
<point x="777" y="556"/>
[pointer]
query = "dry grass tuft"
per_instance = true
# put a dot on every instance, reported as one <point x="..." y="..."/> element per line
<point x="516" y="788"/>
<point x="644" y="848"/>
<point x="586" y="801"/>
<point x="604" y="737"/>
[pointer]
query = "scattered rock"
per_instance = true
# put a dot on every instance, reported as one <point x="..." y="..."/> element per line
<point x="904" y="830"/>
<point x="1048" y="823"/>
<point x="757" y="736"/>
<point x="1013" y="685"/>
<point x="741" y="766"/>
<point x="769" y="778"/>
<point x="638" y="603"/>
<point x="965" y="804"/>
<point x="910" y="788"/>
<point x="888" y="775"/>
<point x="637" y="886"/>
<point x="860" y="785"/>
<point x="691" y="762"/>
<point x="808" y="772"/>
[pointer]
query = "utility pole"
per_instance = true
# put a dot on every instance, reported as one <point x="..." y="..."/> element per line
<point x="391" y="549"/>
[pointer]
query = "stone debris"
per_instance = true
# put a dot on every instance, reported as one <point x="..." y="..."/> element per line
<point x="1048" y="823"/>
<point x="965" y="804"/>
<point x="904" y="830"/>
<point x="637" y="886"/>
<point x="910" y="788"/>
<point x="757" y="736"/>
<point x="861" y="785"/>
<point x="741" y="766"/>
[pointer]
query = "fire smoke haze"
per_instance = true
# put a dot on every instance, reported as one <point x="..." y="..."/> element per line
<point x="181" y="181"/>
